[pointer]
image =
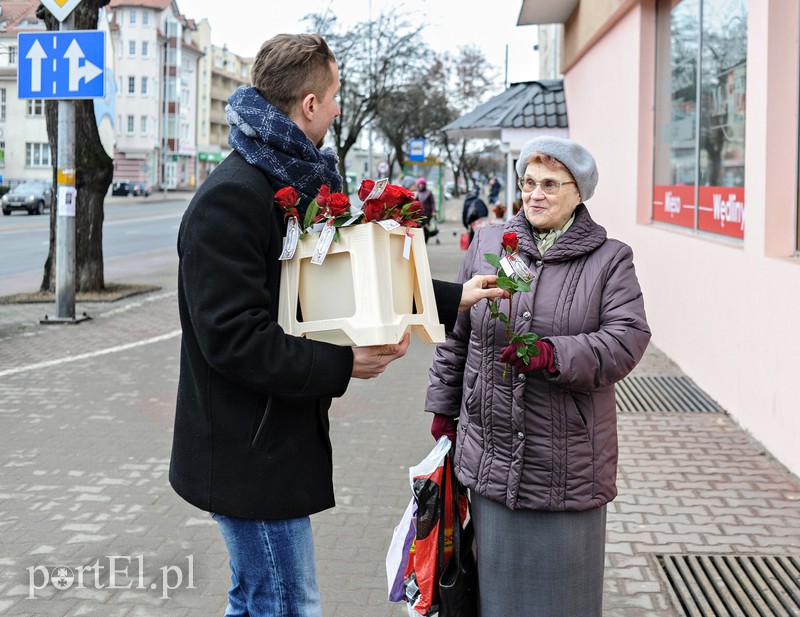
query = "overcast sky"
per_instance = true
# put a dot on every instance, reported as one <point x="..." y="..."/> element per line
<point x="244" y="24"/>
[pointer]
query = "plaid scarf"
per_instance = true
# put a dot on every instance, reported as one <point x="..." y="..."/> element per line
<point x="268" y="139"/>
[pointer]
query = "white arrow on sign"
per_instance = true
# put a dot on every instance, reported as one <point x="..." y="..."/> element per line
<point x="36" y="54"/>
<point x="87" y="72"/>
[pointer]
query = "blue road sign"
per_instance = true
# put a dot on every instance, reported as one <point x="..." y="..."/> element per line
<point x="64" y="64"/>
<point x="416" y="150"/>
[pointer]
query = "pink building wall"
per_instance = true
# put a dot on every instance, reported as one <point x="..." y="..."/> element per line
<point x="726" y="311"/>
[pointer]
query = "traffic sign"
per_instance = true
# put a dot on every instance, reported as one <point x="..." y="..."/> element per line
<point x="60" y="8"/>
<point x="64" y="64"/>
<point x="416" y="150"/>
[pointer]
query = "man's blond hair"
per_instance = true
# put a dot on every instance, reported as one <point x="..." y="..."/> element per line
<point x="288" y="67"/>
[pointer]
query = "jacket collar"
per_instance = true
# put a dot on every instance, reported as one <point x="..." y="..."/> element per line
<point x="582" y="237"/>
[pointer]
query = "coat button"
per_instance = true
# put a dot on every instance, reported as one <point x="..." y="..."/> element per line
<point x="522" y="377"/>
<point x="539" y="263"/>
<point x="526" y="315"/>
<point x="520" y="435"/>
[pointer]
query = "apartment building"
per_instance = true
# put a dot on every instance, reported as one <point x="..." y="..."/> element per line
<point x="156" y="77"/>
<point x="220" y="73"/>
<point x="24" y="148"/>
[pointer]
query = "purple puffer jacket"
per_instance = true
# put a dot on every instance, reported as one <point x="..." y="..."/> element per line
<point x="532" y="441"/>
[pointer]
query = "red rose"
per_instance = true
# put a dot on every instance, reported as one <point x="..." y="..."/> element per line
<point x="338" y="205"/>
<point x="510" y="242"/>
<point x="395" y="195"/>
<point x="413" y="210"/>
<point x="365" y="189"/>
<point x="287" y="198"/>
<point x="373" y="210"/>
<point x="323" y="195"/>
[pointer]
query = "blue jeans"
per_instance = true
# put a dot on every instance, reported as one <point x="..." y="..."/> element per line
<point x="272" y="567"/>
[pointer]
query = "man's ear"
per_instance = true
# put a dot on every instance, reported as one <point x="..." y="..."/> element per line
<point x="309" y="106"/>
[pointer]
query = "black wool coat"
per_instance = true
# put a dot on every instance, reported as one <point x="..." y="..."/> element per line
<point x="251" y="433"/>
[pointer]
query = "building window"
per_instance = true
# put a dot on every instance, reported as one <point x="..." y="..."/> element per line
<point x="132" y="17"/>
<point x="170" y="90"/>
<point x="37" y="155"/>
<point x="2" y="154"/>
<point x="34" y="107"/>
<point x="145" y="49"/>
<point x="700" y="115"/>
<point x="2" y="103"/>
<point x="145" y="17"/>
<point x="131" y="85"/>
<point x="130" y="125"/>
<point x="143" y="125"/>
<point x="12" y="54"/>
<point x="144" y="86"/>
<point x="131" y="48"/>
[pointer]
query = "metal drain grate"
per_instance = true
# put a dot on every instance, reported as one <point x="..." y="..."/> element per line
<point x="663" y="394"/>
<point x="733" y="585"/>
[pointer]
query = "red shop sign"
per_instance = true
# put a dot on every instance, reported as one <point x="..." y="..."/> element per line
<point x="720" y="208"/>
<point x="674" y="204"/>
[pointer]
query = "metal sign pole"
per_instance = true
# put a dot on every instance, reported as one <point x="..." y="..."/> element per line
<point x="65" y="208"/>
<point x="65" y="213"/>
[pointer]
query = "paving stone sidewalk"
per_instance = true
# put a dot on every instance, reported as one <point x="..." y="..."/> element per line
<point x="86" y="415"/>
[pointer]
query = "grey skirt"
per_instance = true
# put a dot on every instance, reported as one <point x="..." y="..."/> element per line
<point x="537" y="563"/>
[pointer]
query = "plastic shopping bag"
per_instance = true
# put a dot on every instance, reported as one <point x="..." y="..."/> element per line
<point x="422" y="573"/>
<point x="397" y="556"/>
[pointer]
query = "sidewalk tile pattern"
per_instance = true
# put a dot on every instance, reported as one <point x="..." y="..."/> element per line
<point x="86" y="415"/>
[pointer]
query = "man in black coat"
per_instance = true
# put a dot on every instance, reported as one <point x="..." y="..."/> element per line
<point x="251" y="443"/>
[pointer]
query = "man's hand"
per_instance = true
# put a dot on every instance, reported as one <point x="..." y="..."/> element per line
<point x="479" y="287"/>
<point x="371" y="361"/>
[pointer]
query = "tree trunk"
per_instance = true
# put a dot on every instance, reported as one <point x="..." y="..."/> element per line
<point x="94" y="170"/>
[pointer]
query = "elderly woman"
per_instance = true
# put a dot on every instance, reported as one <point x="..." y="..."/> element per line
<point x="538" y="448"/>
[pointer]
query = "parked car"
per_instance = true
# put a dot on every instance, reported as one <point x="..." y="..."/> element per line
<point x="140" y="189"/>
<point x="31" y="196"/>
<point x="122" y="188"/>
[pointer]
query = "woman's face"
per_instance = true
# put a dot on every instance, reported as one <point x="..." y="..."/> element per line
<point x="547" y="212"/>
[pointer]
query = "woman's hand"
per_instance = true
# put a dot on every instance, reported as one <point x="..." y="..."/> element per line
<point x="479" y="287"/>
<point x="443" y="425"/>
<point x="543" y="360"/>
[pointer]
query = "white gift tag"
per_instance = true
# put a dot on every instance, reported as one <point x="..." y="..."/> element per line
<point x="407" y="246"/>
<point x="507" y="267"/>
<point x="377" y="189"/>
<point x="389" y="224"/>
<point x="520" y="268"/>
<point x="290" y="241"/>
<point x="323" y="244"/>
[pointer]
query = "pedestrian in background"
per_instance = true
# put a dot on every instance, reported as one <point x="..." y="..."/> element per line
<point x="494" y="190"/>
<point x="251" y="443"/>
<point x="538" y="449"/>
<point x="474" y="209"/>
<point x="428" y="202"/>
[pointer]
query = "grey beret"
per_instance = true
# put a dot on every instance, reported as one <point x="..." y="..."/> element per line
<point x="574" y="156"/>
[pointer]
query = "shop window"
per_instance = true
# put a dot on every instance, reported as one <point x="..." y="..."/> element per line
<point x="700" y="115"/>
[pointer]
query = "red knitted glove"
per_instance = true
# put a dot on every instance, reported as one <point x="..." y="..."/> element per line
<point x="544" y="360"/>
<point x="443" y="425"/>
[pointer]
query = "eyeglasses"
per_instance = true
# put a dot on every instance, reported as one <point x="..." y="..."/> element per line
<point x="548" y="185"/>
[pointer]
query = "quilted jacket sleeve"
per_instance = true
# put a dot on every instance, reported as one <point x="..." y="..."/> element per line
<point x="600" y="358"/>
<point x="447" y="369"/>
